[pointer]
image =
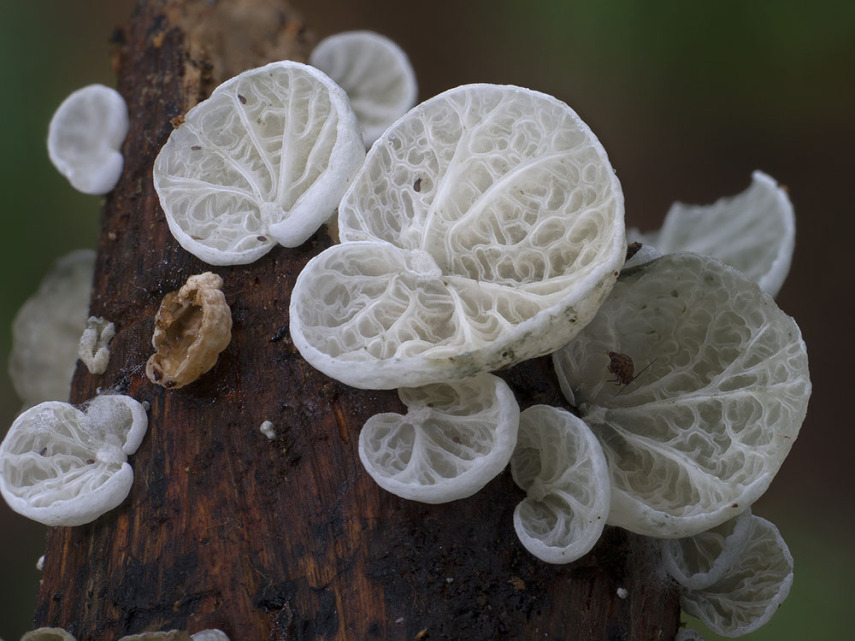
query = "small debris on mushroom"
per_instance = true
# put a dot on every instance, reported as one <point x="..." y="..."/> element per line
<point x="192" y="327"/>
<point x="94" y="348"/>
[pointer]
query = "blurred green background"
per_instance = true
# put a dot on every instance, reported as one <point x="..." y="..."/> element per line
<point x="687" y="98"/>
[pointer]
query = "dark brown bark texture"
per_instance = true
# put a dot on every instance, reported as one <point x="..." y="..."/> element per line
<point x="287" y="539"/>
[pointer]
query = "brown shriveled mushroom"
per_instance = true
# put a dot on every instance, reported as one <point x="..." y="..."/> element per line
<point x="192" y="327"/>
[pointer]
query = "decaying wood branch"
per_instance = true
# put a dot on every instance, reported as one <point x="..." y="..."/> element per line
<point x="287" y="538"/>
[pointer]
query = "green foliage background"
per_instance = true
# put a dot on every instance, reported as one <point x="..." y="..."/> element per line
<point x="688" y="99"/>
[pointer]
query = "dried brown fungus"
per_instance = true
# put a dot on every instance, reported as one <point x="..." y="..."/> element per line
<point x="192" y="327"/>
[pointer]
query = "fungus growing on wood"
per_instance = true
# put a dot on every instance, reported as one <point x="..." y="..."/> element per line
<point x="485" y="228"/>
<point x="454" y="439"/>
<point x="63" y="466"/>
<point x="46" y="330"/>
<point x="85" y="138"/>
<point x="192" y="327"/>
<point x="561" y="466"/>
<point x="376" y="74"/>
<point x="737" y="590"/>
<point x="754" y="231"/>
<point x="94" y="347"/>
<point x="699" y="436"/>
<point x="264" y="160"/>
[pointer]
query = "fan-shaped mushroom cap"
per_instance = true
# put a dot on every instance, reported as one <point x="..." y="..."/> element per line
<point x="696" y="562"/>
<point x="46" y="330"/>
<point x="699" y="435"/>
<point x="376" y="74"/>
<point x="265" y="159"/>
<point x="85" y="138"/>
<point x="485" y="228"/>
<point x="754" y="231"/>
<point x="455" y="438"/>
<point x="752" y="587"/>
<point x="560" y="464"/>
<point x="62" y="466"/>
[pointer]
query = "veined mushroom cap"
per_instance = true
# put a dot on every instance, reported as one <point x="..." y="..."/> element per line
<point x="721" y="391"/>
<point x="63" y="466"/>
<point x="754" y="231"/>
<point x="46" y="330"/>
<point x="485" y="228"/>
<point x="751" y="589"/>
<point x="561" y="466"/>
<point x="85" y="138"/>
<point x="376" y="74"/>
<point x="455" y="438"/>
<point x="265" y="159"/>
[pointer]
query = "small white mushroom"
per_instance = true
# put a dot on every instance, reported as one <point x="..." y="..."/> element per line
<point x="755" y="578"/>
<point x="454" y="439"/>
<point x="94" y="348"/>
<point x="753" y="231"/>
<point x="376" y="74"/>
<point x="85" y="138"/>
<point x="46" y="330"/>
<point x="264" y="160"/>
<point x="485" y="228"/>
<point x="63" y="466"/>
<point x="192" y="327"/>
<point x="561" y="466"/>
<point x="719" y="390"/>
<point x="40" y="563"/>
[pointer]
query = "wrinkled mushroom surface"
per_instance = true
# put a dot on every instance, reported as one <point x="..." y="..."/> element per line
<point x="454" y="439"/>
<point x="561" y="466"/>
<point x="753" y="231"/>
<point x="485" y="228"/>
<point x="376" y="74"/>
<point x="697" y="428"/>
<point x="264" y="160"/>
<point x="192" y="327"/>
<point x="63" y="466"/>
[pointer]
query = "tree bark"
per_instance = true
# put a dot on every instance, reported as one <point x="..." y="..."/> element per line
<point x="288" y="538"/>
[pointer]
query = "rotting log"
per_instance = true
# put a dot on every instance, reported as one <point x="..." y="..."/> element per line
<point x="288" y="538"/>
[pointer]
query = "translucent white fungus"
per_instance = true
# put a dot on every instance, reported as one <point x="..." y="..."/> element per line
<point x="685" y="634"/>
<point x="85" y="138"/>
<point x="454" y="439"/>
<point x="622" y="593"/>
<point x="754" y="231"/>
<point x="46" y="330"/>
<point x="721" y="391"/>
<point x="484" y="229"/>
<point x="561" y="466"/>
<point x="696" y="562"/>
<point x="376" y="74"/>
<point x="40" y="563"/>
<point x="63" y="466"/>
<point x="94" y="348"/>
<point x="265" y="159"/>
<point x="168" y="635"/>
<point x="192" y="327"/>
<point x="750" y="590"/>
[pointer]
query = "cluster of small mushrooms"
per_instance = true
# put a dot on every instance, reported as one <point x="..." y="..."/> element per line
<point x="484" y="227"/>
